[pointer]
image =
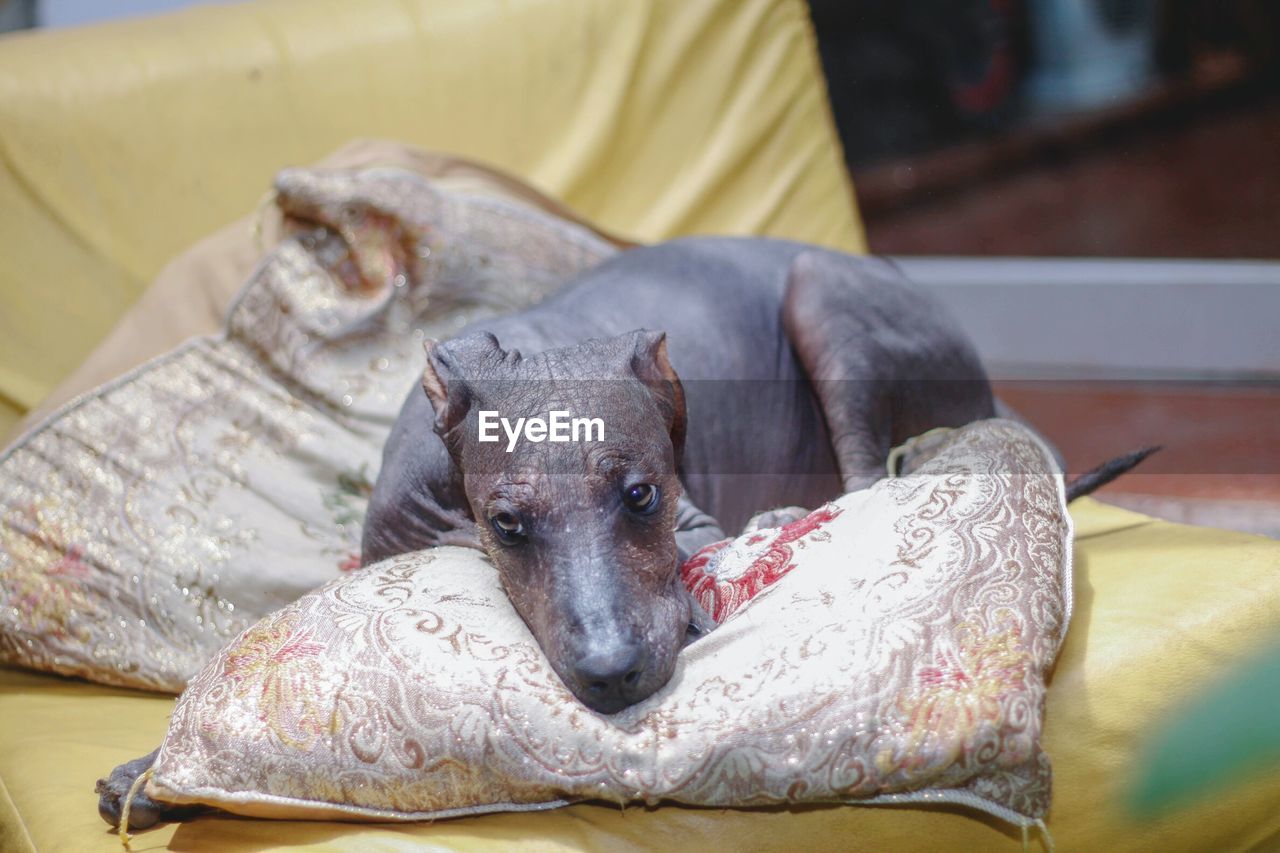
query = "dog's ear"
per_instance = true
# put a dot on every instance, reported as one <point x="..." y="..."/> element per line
<point x="451" y="367"/>
<point x="651" y="366"/>
<point x="447" y="390"/>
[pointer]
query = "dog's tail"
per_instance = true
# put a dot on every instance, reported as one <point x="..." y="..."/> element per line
<point x="1091" y="481"/>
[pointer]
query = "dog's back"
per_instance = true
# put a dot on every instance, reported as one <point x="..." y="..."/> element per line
<point x="756" y="436"/>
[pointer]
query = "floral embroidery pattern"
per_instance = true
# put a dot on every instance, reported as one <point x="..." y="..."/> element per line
<point x="957" y="697"/>
<point x="903" y="658"/>
<point x="347" y="502"/>
<point x="346" y="505"/>
<point x="277" y="665"/>
<point x="720" y="594"/>
<point x="47" y="572"/>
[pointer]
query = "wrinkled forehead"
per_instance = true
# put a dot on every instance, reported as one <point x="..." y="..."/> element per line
<point x="527" y="392"/>
<point x="542" y="448"/>
<point x="595" y="459"/>
<point x="569" y="411"/>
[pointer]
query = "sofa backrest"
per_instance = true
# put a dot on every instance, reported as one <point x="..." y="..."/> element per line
<point x="121" y="144"/>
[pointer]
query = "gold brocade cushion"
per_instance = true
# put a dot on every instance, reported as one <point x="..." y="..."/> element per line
<point x="135" y="523"/>
<point x="1160" y="611"/>
<point x="149" y="522"/>
<point x="890" y="647"/>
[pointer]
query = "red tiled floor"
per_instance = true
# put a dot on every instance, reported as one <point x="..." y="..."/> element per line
<point x="1209" y="431"/>
<point x="1221" y="459"/>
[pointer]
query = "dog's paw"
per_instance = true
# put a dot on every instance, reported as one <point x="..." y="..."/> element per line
<point x="144" y="812"/>
<point x="780" y="517"/>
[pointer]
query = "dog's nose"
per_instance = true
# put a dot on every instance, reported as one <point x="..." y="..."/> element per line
<point x="610" y="679"/>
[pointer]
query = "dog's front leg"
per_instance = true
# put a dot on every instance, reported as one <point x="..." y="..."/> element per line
<point x="695" y="529"/>
<point x="144" y="812"/>
<point x="779" y="517"/>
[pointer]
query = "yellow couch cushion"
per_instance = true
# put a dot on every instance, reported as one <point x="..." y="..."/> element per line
<point x="1160" y="610"/>
<point x="122" y="144"/>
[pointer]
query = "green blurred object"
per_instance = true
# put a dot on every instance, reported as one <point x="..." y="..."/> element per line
<point x="1222" y="737"/>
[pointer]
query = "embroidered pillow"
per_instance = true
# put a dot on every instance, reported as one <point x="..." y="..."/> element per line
<point x="891" y="647"/>
<point x="149" y="522"/>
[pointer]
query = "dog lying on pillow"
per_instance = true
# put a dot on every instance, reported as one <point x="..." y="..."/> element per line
<point x="591" y="442"/>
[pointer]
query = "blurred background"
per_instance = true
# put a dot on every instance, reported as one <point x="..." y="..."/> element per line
<point x="1097" y="128"/>
<point x="1084" y="129"/>
<point x="1009" y="127"/>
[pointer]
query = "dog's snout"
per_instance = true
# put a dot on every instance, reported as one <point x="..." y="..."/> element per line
<point x="610" y="679"/>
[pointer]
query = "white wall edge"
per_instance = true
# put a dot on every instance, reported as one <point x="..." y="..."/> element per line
<point x="1118" y="319"/>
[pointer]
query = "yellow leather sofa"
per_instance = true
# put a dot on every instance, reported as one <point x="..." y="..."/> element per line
<point x="123" y="144"/>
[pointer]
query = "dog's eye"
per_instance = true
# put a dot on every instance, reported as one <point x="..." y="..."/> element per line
<point x="641" y="497"/>
<point x="508" y="527"/>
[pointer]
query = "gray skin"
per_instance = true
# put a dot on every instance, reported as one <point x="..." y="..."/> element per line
<point x="775" y="374"/>
<point x="781" y="377"/>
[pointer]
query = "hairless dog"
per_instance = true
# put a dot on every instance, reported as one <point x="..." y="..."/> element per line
<point x="731" y="376"/>
<point x="712" y="378"/>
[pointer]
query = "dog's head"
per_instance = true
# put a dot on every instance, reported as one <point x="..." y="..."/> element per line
<point x="576" y="503"/>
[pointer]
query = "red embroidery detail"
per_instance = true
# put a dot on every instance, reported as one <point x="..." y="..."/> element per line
<point x="722" y="597"/>
<point x="696" y="579"/>
<point x="71" y="564"/>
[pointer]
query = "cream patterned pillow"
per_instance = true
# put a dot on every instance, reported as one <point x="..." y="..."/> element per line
<point x="892" y="647"/>
<point x="147" y="523"/>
